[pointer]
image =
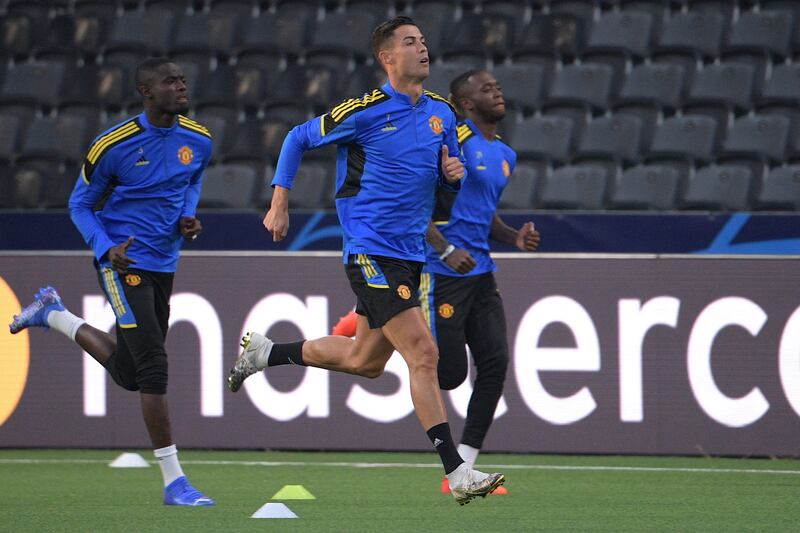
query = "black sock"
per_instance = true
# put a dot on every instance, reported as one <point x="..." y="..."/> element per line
<point x="443" y="442"/>
<point x="287" y="353"/>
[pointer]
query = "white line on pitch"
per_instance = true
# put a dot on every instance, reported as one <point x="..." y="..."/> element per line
<point x="577" y="468"/>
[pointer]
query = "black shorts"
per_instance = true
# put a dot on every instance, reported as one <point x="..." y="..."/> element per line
<point x="140" y="301"/>
<point x="384" y="286"/>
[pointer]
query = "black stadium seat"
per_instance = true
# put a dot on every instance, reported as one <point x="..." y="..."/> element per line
<point x="647" y="187"/>
<point x="719" y="188"/>
<point x="575" y="187"/>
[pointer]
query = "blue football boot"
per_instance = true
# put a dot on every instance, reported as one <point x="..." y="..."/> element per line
<point x="45" y="301"/>
<point x="181" y="492"/>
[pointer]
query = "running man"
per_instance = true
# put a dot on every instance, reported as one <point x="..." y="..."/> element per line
<point x="394" y="154"/>
<point x="151" y="168"/>
<point x="459" y="296"/>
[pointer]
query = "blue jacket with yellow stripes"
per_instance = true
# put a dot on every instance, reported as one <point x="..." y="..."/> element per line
<point x="149" y="178"/>
<point x="388" y="167"/>
<point x="466" y="220"/>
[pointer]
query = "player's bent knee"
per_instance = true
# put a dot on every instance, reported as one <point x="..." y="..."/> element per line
<point x="151" y="375"/>
<point x="451" y="381"/>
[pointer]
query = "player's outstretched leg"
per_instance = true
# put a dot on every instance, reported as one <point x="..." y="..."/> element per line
<point x="35" y="315"/>
<point x="181" y="492"/>
<point x="466" y="483"/>
<point x="255" y="352"/>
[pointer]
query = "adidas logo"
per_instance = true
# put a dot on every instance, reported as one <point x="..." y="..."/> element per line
<point x="436" y="442"/>
<point x="142" y="162"/>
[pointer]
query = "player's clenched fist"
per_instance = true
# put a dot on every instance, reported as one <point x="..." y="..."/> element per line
<point x="452" y="168"/>
<point x="277" y="219"/>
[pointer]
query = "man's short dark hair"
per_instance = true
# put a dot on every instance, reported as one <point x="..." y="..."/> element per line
<point x="458" y="87"/>
<point x="148" y="67"/>
<point x="385" y="31"/>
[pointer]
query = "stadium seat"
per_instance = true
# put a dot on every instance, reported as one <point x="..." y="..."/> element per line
<point x="442" y="74"/>
<point x="43" y="182"/>
<point x="343" y="32"/>
<point x="174" y="8"/>
<point x="657" y="9"/>
<point x="313" y="185"/>
<point x="242" y="84"/>
<point x="282" y="32"/>
<point x="241" y="9"/>
<point x="521" y="188"/>
<point x="626" y="32"/>
<point x="781" y="190"/>
<point x="589" y="85"/>
<point x="314" y="85"/>
<point x="692" y="138"/>
<point x="433" y="17"/>
<point x="93" y="115"/>
<point x="725" y="8"/>
<point x="648" y="114"/>
<point x="65" y="137"/>
<point x="380" y="10"/>
<point x="228" y="185"/>
<point x="491" y="34"/>
<point x="9" y="136"/>
<point x="230" y="112"/>
<point x="719" y="188"/>
<point x="582" y="10"/>
<point x="560" y="34"/>
<point x="616" y="138"/>
<point x="523" y="85"/>
<point x="17" y="34"/>
<point x="720" y="90"/>
<point x="647" y="187"/>
<point x="574" y="187"/>
<point x="149" y="32"/>
<point x="765" y="137"/>
<point x="516" y="10"/>
<point x="547" y="138"/>
<point x="212" y="33"/>
<point x="38" y="83"/>
<point x="697" y="32"/>
<point x="258" y="138"/>
<point x="659" y="85"/>
<point x="764" y="32"/>
<point x="7" y="186"/>
<point x="783" y="86"/>
<point x="362" y="80"/>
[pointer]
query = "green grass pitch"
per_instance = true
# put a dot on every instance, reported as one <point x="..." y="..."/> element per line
<point x="75" y="490"/>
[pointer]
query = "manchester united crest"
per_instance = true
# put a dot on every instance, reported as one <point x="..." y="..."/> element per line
<point x="446" y="310"/>
<point x="404" y="292"/>
<point x="185" y="155"/>
<point x="436" y="124"/>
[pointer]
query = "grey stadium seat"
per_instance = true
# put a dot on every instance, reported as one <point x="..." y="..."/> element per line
<point x="313" y="185"/>
<point x="618" y="137"/>
<point x="783" y="86"/>
<point x="547" y="138"/>
<point x="575" y="187"/>
<point x="63" y="137"/>
<point x="647" y="187"/>
<point x="726" y="83"/>
<point x="521" y="188"/>
<point x="589" y="85"/>
<point x="762" y="136"/>
<point x="689" y="137"/>
<point x="628" y="32"/>
<point x="34" y="82"/>
<point x="656" y="84"/>
<point x="522" y="84"/>
<point x="781" y="189"/>
<point x="719" y="188"/>
<point x="9" y="136"/>
<point x="149" y="31"/>
<point x="697" y="32"/>
<point x="767" y="32"/>
<point x="228" y="185"/>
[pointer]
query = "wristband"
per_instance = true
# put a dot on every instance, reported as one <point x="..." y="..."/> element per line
<point x="447" y="251"/>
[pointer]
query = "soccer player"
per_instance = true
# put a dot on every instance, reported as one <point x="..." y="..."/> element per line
<point x="149" y="169"/>
<point x="459" y="296"/>
<point x="394" y="154"/>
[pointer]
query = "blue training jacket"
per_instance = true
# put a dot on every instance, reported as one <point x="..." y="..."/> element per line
<point x="466" y="219"/>
<point x="388" y="167"/>
<point x="150" y="177"/>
